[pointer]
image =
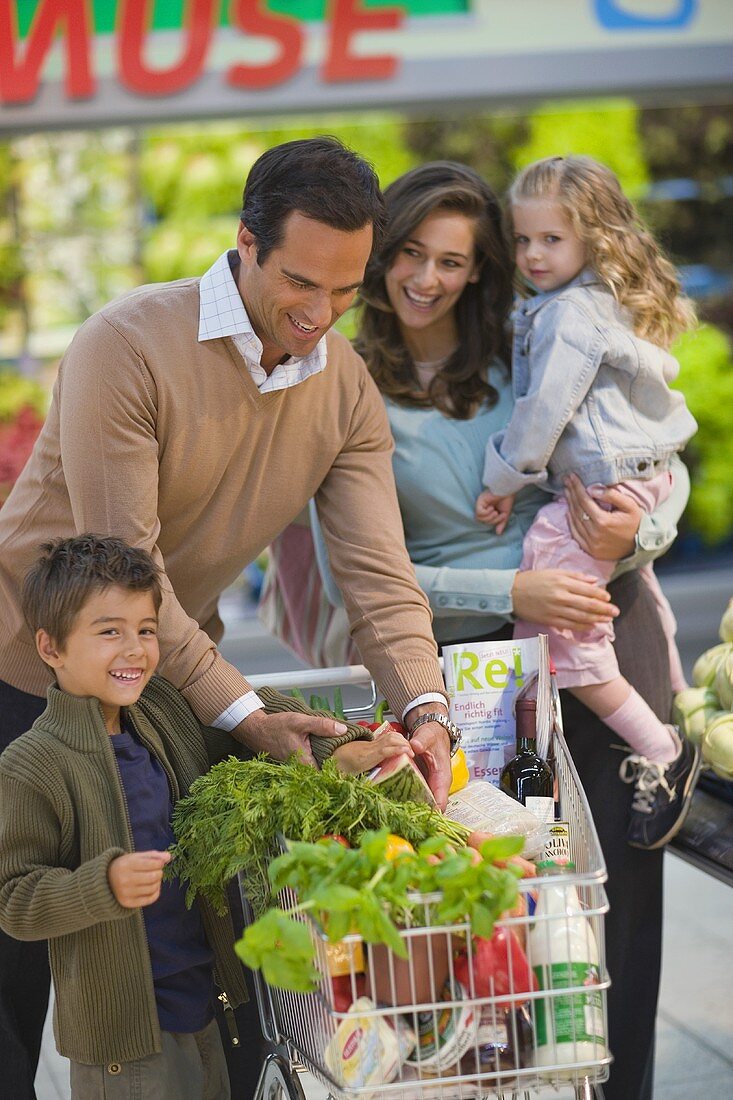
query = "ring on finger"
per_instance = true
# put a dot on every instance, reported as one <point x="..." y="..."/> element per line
<point x="585" y="517"/>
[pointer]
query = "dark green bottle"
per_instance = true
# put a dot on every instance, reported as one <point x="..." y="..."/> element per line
<point x="527" y="777"/>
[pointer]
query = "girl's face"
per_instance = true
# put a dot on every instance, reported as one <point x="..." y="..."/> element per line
<point x="429" y="274"/>
<point x="548" y="253"/>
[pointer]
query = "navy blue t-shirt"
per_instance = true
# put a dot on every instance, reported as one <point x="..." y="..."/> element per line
<point x="181" y="959"/>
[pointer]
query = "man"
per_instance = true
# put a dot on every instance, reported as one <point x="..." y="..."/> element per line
<point x="196" y="419"/>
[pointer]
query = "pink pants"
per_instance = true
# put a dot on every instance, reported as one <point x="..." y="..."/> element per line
<point x="587" y="656"/>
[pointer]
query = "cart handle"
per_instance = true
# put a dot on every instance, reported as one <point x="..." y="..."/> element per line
<point x="315" y="677"/>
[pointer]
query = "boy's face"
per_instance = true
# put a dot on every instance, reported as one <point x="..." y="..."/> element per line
<point x="110" y="653"/>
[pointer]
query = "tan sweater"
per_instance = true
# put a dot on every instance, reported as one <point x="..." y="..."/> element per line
<point x="167" y="442"/>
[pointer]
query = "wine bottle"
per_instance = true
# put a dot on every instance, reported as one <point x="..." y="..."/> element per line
<point x="527" y="777"/>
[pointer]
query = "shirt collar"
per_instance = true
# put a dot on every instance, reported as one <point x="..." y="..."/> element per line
<point x="587" y="277"/>
<point x="222" y="313"/>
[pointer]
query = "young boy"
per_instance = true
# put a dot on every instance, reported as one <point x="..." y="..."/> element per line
<point x="85" y="804"/>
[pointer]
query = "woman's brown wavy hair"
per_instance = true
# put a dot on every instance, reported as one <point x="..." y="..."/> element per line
<point x="621" y="250"/>
<point x="481" y="311"/>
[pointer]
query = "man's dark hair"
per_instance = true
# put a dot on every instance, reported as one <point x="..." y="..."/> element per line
<point x="69" y="571"/>
<point x="317" y="177"/>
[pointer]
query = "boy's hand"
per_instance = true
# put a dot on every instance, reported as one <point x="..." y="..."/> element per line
<point x="494" y="510"/>
<point x="135" y="878"/>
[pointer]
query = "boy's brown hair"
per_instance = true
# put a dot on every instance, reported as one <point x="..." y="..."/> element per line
<point x="71" y="570"/>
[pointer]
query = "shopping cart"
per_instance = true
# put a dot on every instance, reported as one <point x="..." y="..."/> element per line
<point x="421" y="1035"/>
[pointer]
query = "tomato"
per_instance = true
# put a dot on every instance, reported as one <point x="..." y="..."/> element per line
<point x="397" y="846"/>
<point x="334" y="836"/>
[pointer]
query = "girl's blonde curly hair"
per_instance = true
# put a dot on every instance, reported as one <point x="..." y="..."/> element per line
<point x="621" y="250"/>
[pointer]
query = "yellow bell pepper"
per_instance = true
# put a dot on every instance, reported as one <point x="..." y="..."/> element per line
<point x="459" y="772"/>
<point x="397" y="846"/>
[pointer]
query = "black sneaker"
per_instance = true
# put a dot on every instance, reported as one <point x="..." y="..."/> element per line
<point x="662" y="795"/>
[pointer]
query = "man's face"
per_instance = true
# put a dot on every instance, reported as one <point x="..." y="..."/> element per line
<point x="304" y="285"/>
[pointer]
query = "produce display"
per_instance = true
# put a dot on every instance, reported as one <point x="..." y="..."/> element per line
<point x="704" y="713"/>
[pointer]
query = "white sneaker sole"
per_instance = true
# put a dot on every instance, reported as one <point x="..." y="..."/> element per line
<point x="686" y="803"/>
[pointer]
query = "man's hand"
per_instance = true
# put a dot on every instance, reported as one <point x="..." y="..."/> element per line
<point x="282" y="734"/>
<point x="605" y="535"/>
<point x="431" y="745"/>
<point x="494" y="510"/>
<point x="135" y="877"/>
<point x="362" y="756"/>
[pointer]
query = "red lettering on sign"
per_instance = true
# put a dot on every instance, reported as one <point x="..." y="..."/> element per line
<point x="133" y="24"/>
<point x="19" y="80"/>
<point x="286" y="31"/>
<point x="347" y="18"/>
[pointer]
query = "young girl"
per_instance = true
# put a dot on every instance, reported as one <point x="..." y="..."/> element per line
<point x="591" y="378"/>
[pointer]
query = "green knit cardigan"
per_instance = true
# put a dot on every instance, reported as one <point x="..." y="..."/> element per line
<point x="63" y="818"/>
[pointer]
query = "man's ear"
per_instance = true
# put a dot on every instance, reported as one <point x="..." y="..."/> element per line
<point x="48" y="651"/>
<point x="246" y="245"/>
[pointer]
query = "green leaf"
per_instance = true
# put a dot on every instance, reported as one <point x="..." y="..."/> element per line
<point x="336" y="898"/>
<point x="501" y="847"/>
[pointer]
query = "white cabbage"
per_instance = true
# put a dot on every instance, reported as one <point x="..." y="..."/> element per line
<point x="726" y="623"/>
<point x="693" y="709"/>
<point x="717" y="745"/>
<point x="724" y="682"/>
<point x="706" y="665"/>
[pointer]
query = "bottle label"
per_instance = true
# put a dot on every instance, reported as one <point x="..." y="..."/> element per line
<point x="557" y="845"/>
<point x="569" y="1018"/>
<point x="543" y="808"/>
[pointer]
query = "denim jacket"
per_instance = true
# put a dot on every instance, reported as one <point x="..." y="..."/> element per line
<point x="591" y="397"/>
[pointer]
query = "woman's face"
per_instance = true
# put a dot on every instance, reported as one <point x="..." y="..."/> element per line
<point x="430" y="272"/>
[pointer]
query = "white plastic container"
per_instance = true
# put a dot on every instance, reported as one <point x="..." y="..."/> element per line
<point x="564" y="954"/>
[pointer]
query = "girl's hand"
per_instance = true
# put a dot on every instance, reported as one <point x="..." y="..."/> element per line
<point x="494" y="510"/>
<point x="559" y="598"/>
<point x="607" y="536"/>
<point x="361" y="756"/>
<point x="135" y="877"/>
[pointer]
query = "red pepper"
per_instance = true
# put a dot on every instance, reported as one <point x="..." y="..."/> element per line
<point x="500" y="967"/>
<point x="343" y="997"/>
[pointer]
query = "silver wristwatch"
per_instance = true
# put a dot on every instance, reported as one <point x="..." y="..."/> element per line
<point x="454" y="731"/>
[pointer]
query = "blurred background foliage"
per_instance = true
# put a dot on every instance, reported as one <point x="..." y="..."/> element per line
<point x="86" y="216"/>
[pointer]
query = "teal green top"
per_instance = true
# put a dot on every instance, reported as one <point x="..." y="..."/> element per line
<point x="466" y="570"/>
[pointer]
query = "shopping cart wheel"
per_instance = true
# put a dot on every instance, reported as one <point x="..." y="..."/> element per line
<point x="277" y="1082"/>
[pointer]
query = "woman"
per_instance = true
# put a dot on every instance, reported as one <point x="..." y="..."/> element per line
<point x="432" y="331"/>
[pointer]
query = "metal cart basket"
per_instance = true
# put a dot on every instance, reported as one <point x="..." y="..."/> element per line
<point x="422" y="1035"/>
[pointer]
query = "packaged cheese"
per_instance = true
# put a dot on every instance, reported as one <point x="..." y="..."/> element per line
<point x="365" y="1049"/>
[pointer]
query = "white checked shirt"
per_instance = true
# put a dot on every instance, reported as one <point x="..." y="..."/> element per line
<point x="222" y="313"/>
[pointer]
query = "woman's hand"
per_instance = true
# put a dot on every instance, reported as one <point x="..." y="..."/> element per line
<point x="362" y="756"/>
<point x="559" y="598"/>
<point x="607" y="536"/>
